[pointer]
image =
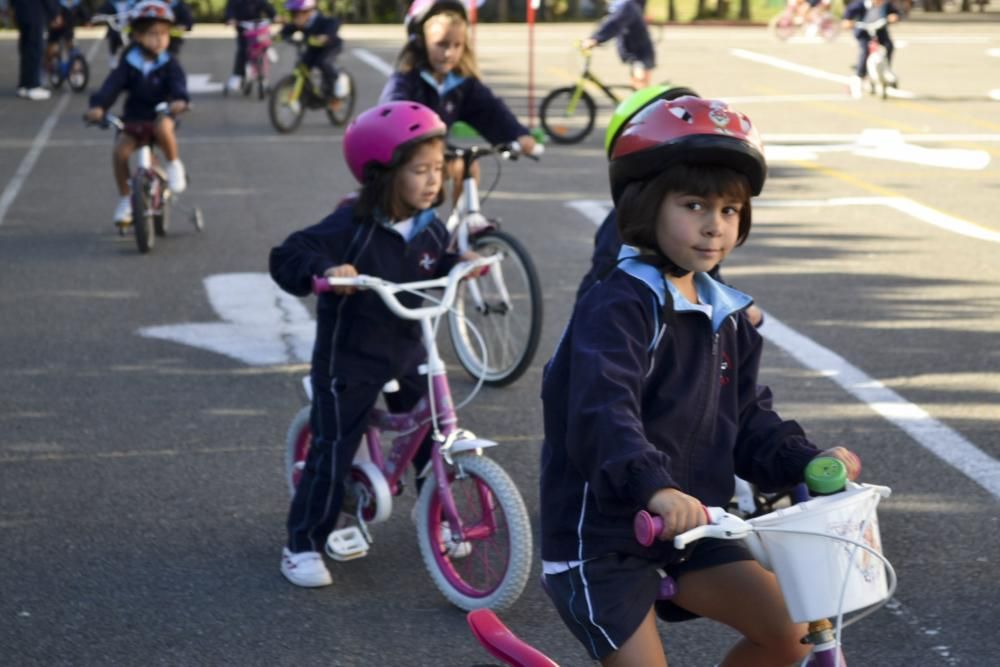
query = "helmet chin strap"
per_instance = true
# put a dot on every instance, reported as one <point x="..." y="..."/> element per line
<point x="658" y="259"/>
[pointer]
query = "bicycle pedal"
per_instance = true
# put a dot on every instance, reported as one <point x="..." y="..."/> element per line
<point x="346" y="544"/>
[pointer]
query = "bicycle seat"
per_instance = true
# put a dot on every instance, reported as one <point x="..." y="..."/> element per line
<point x="502" y="643"/>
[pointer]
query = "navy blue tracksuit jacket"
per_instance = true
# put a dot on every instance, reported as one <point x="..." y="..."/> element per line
<point x="625" y="21"/>
<point x="147" y="85"/>
<point x="32" y="16"/>
<point x="647" y="392"/>
<point x="459" y="99"/>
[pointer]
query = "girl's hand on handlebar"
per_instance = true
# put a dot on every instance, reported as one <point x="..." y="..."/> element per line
<point x="850" y="460"/>
<point x="177" y="107"/>
<point x="342" y="271"/>
<point x="471" y="256"/>
<point x="94" y="115"/>
<point x="679" y="511"/>
<point x="527" y="144"/>
<point x="587" y="44"/>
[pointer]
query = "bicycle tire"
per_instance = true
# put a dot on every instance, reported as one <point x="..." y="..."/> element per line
<point x="494" y="573"/>
<point x="55" y="75"/>
<point x="343" y="114"/>
<point x="262" y="73"/>
<point x="279" y="101"/>
<point x="78" y="74"/>
<point x="511" y="337"/>
<point x="781" y="27"/>
<point x="556" y="120"/>
<point x="829" y="27"/>
<point x="142" y="215"/>
<point x="297" y="441"/>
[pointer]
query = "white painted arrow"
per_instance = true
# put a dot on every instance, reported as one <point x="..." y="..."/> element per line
<point x="263" y="325"/>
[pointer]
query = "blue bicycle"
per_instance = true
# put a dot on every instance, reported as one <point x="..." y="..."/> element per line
<point x="71" y="66"/>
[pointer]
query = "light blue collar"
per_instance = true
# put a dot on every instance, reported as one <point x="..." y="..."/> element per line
<point x="724" y="299"/>
<point x="451" y="81"/>
<point x="420" y="222"/>
<point x="135" y="59"/>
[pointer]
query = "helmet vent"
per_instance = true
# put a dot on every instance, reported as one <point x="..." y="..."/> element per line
<point x="386" y="112"/>
<point x="414" y="127"/>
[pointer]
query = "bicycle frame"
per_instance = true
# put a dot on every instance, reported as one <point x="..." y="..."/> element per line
<point x="587" y="76"/>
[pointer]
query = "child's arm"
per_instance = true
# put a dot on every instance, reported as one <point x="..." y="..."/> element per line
<point x="105" y="98"/>
<point x="491" y="117"/>
<point x="398" y="87"/>
<point x="307" y="253"/>
<point x="618" y="17"/>
<point x="179" y="98"/>
<point x="342" y="271"/>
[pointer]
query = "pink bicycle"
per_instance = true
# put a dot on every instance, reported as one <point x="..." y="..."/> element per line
<point x="472" y="525"/>
<point x="260" y="56"/>
<point x="834" y="535"/>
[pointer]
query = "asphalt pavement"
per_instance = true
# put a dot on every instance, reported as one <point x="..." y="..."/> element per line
<point x="146" y="397"/>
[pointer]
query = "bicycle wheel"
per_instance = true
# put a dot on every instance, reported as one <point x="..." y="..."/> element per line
<point x="494" y="569"/>
<point x="142" y="212"/>
<point x="781" y="26"/>
<point x="297" y="442"/>
<point x="286" y="114"/>
<point x="79" y="73"/>
<point x="829" y="27"/>
<point x="565" y="119"/>
<point x="262" y="71"/>
<point x="55" y="75"/>
<point x="510" y="327"/>
<point x="346" y="108"/>
<point x="161" y="221"/>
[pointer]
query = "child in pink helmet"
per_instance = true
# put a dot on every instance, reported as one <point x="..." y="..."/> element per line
<point x="396" y="152"/>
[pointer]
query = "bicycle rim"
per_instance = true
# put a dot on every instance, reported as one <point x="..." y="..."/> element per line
<point x="79" y="74"/>
<point x="285" y="112"/>
<point x="495" y="568"/>
<point x="297" y="442"/>
<point x="567" y="114"/>
<point x="142" y="213"/>
<point x="510" y="327"/>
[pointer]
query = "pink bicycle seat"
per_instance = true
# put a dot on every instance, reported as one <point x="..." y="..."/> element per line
<point x="502" y="643"/>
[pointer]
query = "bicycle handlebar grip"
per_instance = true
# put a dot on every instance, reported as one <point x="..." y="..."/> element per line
<point x="647" y="527"/>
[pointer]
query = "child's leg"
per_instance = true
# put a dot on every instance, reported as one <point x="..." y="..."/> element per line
<point x="642" y="649"/>
<point x="240" y="64"/>
<point x="862" y="67"/>
<point x="746" y="597"/>
<point x="641" y="76"/>
<point x="166" y="138"/>
<point x="119" y="161"/>
<point x="454" y="174"/>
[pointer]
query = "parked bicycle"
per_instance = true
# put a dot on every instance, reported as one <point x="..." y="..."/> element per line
<point x="568" y="114"/>
<point x="303" y="89"/>
<point x="69" y="65"/>
<point x="472" y="525"/>
<point x="813" y="23"/>
<point x="505" y="305"/>
<point x="826" y="553"/>
<point x="151" y="196"/>
<point x="260" y="56"/>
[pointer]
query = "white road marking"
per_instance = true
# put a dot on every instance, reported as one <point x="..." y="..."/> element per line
<point x="813" y="72"/>
<point x="377" y="63"/>
<point x="995" y="53"/>
<point x="200" y="84"/>
<point x="945" y="443"/>
<point x="31" y="157"/>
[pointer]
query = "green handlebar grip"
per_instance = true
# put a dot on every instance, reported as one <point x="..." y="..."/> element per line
<point x="825" y="475"/>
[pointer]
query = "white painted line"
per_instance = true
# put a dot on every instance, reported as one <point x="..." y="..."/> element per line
<point x="940" y="440"/>
<point x="754" y="99"/>
<point x="200" y="84"/>
<point x="995" y="94"/>
<point x="31" y="157"/>
<point x="373" y="60"/>
<point x="945" y="443"/>
<point x="781" y="63"/>
<point x="995" y="53"/>
<point x="908" y="138"/>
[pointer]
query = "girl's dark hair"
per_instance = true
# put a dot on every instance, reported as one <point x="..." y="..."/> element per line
<point x="379" y="194"/>
<point x="639" y="205"/>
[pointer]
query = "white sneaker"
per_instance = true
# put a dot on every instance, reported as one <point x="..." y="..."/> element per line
<point x="855" y="87"/>
<point x="35" y="94"/>
<point x="123" y="211"/>
<point x="234" y="83"/>
<point x="456" y="551"/>
<point x="342" y="86"/>
<point x="176" y="177"/>
<point x="305" y="569"/>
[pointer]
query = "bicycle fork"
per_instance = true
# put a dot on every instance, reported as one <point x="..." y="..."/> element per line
<point x="470" y="210"/>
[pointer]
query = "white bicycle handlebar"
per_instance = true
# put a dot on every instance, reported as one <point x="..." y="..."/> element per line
<point x="388" y="290"/>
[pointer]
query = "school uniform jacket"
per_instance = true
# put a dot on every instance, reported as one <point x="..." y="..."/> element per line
<point x="318" y="26"/>
<point x="357" y="337"/>
<point x="626" y="22"/>
<point x="147" y="83"/>
<point x="640" y="397"/>
<point x="249" y="10"/>
<point x="458" y="99"/>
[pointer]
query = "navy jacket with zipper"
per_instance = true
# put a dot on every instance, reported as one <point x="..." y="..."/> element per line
<point x="357" y="337"/>
<point x="460" y="99"/>
<point x="164" y="82"/>
<point x="626" y="22"/>
<point x="643" y="395"/>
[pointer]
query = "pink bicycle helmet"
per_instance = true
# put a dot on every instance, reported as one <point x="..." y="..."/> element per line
<point x="300" y="5"/>
<point x="377" y="136"/>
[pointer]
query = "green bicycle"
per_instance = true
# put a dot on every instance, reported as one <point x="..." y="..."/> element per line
<point x="303" y="89"/>
<point x="567" y="114"/>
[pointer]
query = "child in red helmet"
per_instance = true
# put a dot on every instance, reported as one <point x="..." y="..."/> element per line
<point x="651" y="403"/>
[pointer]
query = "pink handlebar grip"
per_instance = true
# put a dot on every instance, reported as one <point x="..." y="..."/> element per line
<point x="647" y="527"/>
<point x="321" y="284"/>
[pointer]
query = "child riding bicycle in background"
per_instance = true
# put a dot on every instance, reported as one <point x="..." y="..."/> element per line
<point x="71" y="14"/>
<point x="607" y="242"/>
<point x="183" y="22"/>
<point x="238" y="11"/>
<point x="114" y="35"/>
<point x="150" y="76"/>
<point x="437" y="67"/>
<point x="626" y="22"/>
<point x="396" y="152"/>
<point x="869" y="11"/>
<point x="651" y="402"/>
<point x="322" y="44"/>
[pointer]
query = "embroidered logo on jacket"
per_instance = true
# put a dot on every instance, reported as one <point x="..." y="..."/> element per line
<point x="427" y="262"/>
<point x="724" y="367"/>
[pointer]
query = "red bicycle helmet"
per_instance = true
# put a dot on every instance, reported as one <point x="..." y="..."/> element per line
<point x="688" y="129"/>
<point x="421" y="10"/>
<point x="378" y="136"/>
<point x="151" y="10"/>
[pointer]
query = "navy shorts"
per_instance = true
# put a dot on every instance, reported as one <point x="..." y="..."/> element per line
<point x="604" y="600"/>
